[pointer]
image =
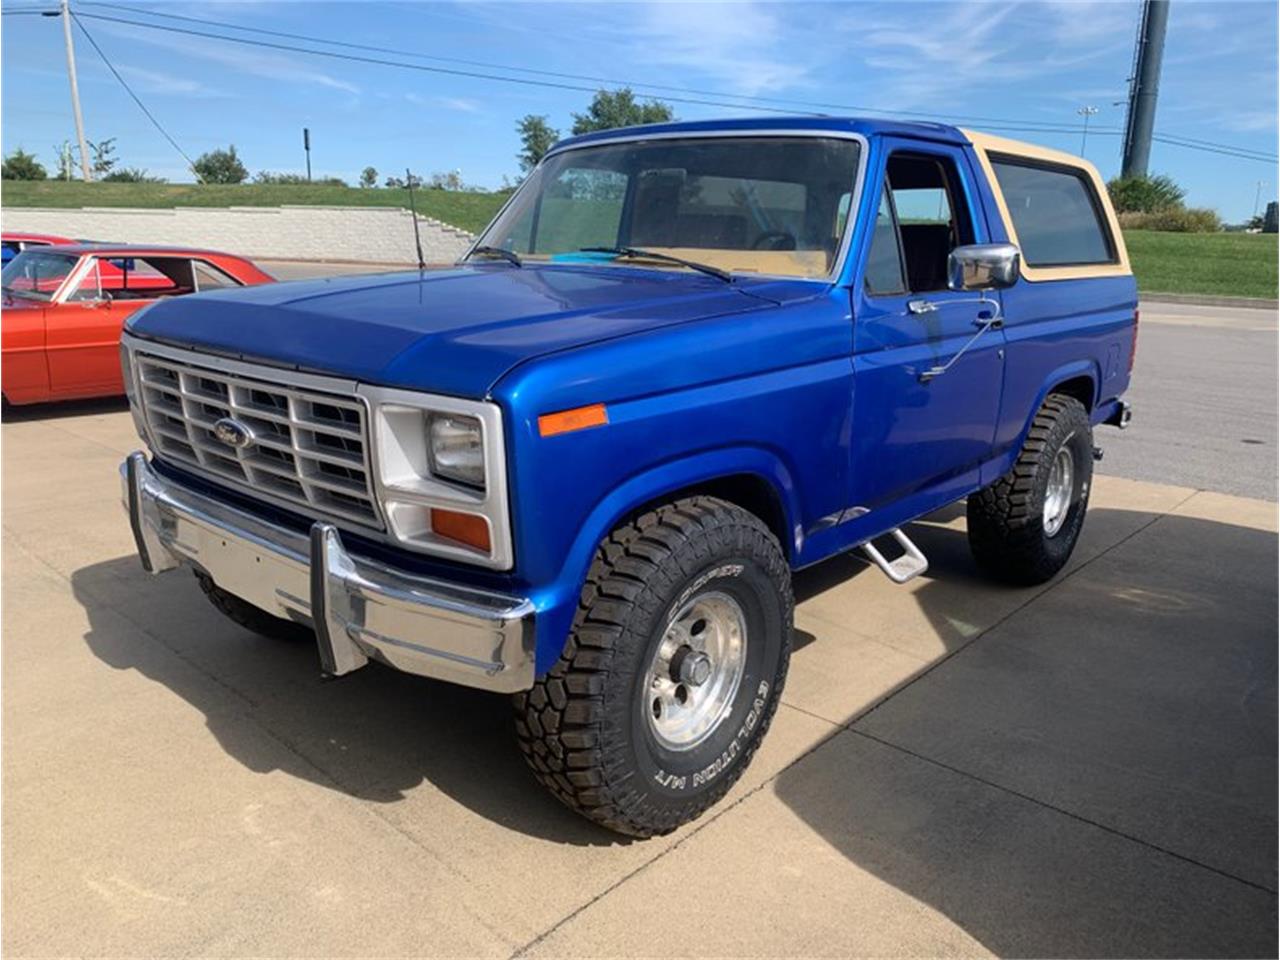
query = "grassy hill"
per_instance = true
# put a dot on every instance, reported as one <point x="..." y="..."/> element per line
<point x="1223" y="264"/>
<point x="470" y="211"/>
<point x="1226" y="264"/>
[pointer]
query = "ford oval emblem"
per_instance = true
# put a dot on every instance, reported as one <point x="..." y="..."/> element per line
<point x="233" y="433"/>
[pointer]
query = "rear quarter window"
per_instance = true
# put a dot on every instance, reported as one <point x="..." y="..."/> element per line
<point x="1055" y="213"/>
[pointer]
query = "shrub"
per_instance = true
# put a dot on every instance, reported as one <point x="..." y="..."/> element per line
<point x="220" y="166"/>
<point x="21" y="165"/>
<point x="1173" y="220"/>
<point x="1145" y="194"/>
<point x="131" y="175"/>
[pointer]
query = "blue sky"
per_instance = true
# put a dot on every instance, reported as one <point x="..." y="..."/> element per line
<point x="1034" y="62"/>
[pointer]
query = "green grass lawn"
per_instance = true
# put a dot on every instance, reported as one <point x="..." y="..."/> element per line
<point x="470" y="211"/>
<point x="1225" y="264"/>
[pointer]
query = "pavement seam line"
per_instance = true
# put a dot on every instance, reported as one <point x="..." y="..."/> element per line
<point x="1044" y="589"/>
<point x="698" y="827"/>
<point x="1061" y="810"/>
<point x="839" y="728"/>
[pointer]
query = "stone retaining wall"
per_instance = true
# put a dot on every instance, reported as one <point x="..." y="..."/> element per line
<point x="370" y="234"/>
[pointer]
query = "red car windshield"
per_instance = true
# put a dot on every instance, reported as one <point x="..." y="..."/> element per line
<point x="37" y="274"/>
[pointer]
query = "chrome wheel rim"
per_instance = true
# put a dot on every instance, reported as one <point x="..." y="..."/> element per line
<point x="1057" y="495"/>
<point x="696" y="670"/>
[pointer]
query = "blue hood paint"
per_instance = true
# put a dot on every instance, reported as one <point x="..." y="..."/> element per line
<point x="454" y="331"/>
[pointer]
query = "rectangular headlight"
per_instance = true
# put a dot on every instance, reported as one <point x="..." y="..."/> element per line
<point x="457" y="450"/>
<point x="440" y="474"/>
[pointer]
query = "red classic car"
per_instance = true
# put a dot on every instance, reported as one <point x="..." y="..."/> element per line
<point x="13" y="242"/>
<point x="65" y="305"/>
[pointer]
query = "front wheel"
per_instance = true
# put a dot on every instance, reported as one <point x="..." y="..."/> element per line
<point x="1023" y="528"/>
<point x="672" y="672"/>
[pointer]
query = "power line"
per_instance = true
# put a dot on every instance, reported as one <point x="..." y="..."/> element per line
<point x="1011" y="123"/>
<point x="1230" y="152"/>
<point x="129" y="90"/>
<point x="1007" y="124"/>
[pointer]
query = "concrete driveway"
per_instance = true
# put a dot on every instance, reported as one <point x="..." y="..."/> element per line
<point x="1087" y="768"/>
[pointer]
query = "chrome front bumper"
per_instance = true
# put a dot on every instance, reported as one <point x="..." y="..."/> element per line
<point x="360" y="609"/>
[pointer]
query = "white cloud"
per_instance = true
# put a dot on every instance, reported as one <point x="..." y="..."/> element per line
<point x="271" y="66"/>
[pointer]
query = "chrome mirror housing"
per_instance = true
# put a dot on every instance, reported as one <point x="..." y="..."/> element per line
<point x="983" y="266"/>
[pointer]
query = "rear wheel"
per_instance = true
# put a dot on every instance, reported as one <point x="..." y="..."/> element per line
<point x="1024" y="527"/>
<point x="250" y="617"/>
<point x="672" y="672"/>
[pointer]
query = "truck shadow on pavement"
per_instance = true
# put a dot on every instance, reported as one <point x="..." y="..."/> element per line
<point x="1095" y="773"/>
<point x="1090" y="773"/>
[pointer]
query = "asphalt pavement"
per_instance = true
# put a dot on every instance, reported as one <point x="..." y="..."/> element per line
<point x="1205" y="400"/>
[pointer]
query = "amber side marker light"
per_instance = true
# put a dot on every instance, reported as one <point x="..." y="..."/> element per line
<point x="566" y="421"/>
<point x="465" y="528"/>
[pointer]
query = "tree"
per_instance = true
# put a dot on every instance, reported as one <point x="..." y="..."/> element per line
<point x="131" y="175"/>
<point x="220" y="166"/>
<point x="620" y="109"/>
<point x="104" y="159"/>
<point x="536" y="138"/>
<point x="66" y="163"/>
<point x="21" y="165"/>
<point x="1145" y="194"/>
<point x="447" y="181"/>
<point x="369" y="177"/>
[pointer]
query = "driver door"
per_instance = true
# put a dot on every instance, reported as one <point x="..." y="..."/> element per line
<point x="83" y="337"/>
<point x="917" y="435"/>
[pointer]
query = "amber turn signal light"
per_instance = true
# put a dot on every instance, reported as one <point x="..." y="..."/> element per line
<point x="465" y="528"/>
<point x="566" y="421"/>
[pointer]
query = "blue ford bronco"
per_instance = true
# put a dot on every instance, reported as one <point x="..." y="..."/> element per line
<point x="580" y="465"/>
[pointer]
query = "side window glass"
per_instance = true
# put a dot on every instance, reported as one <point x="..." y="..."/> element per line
<point x="1055" y="213"/>
<point x="90" y="287"/>
<point x="884" y="260"/>
<point x="209" y="277"/>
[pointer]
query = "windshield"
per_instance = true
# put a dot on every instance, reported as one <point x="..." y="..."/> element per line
<point x="769" y="205"/>
<point x="37" y="274"/>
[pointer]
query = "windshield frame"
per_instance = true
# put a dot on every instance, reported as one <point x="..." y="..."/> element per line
<point x="855" y="200"/>
<point x="69" y="282"/>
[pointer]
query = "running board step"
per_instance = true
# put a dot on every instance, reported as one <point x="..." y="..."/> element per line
<point x="910" y="565"/>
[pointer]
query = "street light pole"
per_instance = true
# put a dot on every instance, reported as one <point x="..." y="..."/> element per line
<point x="75" y="90"/>
<point x="1085" y="112"/>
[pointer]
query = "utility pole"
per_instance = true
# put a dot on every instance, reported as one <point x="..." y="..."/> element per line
<point x="1085" y="112"/>
<point x="1144" y="85"/>
<point x="1257" y="197"/>
<point x="306" y="145"/>
<point x="75" y="88"/>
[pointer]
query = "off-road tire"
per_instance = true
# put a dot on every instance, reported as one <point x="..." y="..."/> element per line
<point x="1006" y="519"/>
<point x="582" y="728"/>
<point x="250" y="617"/>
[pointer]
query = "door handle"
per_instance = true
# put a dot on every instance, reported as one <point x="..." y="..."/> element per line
<point x="922" y="306"/>
<point x="995" y="323"/>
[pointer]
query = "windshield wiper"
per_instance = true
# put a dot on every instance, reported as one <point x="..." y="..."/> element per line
<point x="501" y="252"/>
<point x="641" y="254"/>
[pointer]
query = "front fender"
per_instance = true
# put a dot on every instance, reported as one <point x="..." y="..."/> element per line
<point x="557" y="603"/>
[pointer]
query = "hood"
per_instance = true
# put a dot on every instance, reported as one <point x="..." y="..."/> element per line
<point x="454" y="331"/>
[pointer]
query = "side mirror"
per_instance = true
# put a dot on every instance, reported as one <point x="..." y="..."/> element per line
<point x="983" y="266"/>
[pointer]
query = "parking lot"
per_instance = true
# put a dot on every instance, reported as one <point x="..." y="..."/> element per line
<point x="1083" y="768"/>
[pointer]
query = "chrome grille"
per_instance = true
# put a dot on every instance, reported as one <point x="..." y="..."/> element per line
<point x="308" y="450"/>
